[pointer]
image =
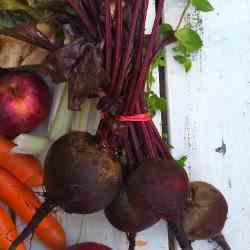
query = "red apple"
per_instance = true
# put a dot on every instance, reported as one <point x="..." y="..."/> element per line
<point x="25" y="101"/>
<point x="89" y="246"/>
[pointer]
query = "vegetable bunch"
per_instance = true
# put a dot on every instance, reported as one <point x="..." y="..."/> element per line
<point x="101" y="50"/>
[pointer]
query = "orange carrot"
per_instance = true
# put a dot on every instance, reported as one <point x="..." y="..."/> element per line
<point x="25" y="203"/>
<point x="25" y="167"/>
<point x="8" y="231"/>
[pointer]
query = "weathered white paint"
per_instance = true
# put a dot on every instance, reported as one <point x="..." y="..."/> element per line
<point x="211" y="104"/>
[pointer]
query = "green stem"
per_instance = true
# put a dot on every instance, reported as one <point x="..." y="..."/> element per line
<point x="80" y="118"/>
<point x="30" y="144"/>
<point x="61" y="120"/>
<point x="183" y="15"/>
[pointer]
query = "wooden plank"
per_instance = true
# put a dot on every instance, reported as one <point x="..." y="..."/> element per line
<point x="211" y="104"/>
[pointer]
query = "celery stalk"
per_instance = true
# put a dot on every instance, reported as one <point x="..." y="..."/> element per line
<point x="80" y="118"/>
<point x="30" y="144"/>
<point x="61" y="120"/>
<point x="94" y="117"/>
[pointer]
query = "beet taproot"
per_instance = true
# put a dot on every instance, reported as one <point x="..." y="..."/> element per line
<point x="88" y="246"/>
<point x="205" y="213"/>
<point x="161" y="186"/>
<point x="79" y="178"/>
<point x="77" y="170"/>
<point x="127" y="218"/>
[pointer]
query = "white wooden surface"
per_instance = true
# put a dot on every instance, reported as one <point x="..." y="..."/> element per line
<point x="211" y="104"/>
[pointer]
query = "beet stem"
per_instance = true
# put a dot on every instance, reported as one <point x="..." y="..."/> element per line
<point x="42" y="212"/>
<point x="141" y="41"/>
<point x="166" y="41"/>
<point x="160" y="141"/>
<point x="131" y="239"/>
<point x="140" y="84"/>
<point x="108" y="35"/>
<point x="83" y="16"/>
<point x="130" y="41"/>
<point x="30" y="35"/>
<point x="94" y="9"/>
<point x="142" y="127"/>
<point x="221" y="241"/>
<point x="128" y="151"/>
<point x="139" y="49"/>
<point x="180" y="235"/>
<point x="118" y="45"/>
<point x="136" y="143"/>
<point x="158" y="145"/>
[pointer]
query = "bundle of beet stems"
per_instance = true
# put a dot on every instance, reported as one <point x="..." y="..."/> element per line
<point x="156" y="188"/>
<point x="128" y="68"/>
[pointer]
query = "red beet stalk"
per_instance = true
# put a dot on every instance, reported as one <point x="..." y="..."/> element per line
<point x="130" y="64"/>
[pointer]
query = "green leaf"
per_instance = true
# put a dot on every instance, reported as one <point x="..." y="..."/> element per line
<point x="14" y="5"/>
<point x="189" y="38"/>
<point x="166" y="29"/>
<point x="159" y="60"/>
<point x="161" y="103"/>
<point x="9" y="19"/>
<point x="202" y="5"/>
<point x="151" y="101"/>
<point x="180" y="49"/>
<point x="155" y="102"/>
<point x="151" y="77"/>
<point x="185" y="61"/>
<point x="182" y="161"/>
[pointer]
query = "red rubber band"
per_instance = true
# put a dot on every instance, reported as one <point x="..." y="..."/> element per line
<point x="134" y="118"/>
<point x="130" y="118"/>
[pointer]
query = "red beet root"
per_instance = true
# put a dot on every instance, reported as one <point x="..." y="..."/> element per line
<point x="159" y="185"/>
<point x="25" y="102"/>
<point x="89" y="246"/>
<point x="122" y="215"/>
<point x="79" y="178"/>
<point x="205" y="213"/>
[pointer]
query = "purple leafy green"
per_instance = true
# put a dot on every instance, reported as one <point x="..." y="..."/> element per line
<point x="80" y="63"/>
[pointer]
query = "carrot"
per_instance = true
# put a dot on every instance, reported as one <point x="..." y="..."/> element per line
<point x="25" y="203"/>
<point x="8" y="231"/>
<point x="25" y="167"/>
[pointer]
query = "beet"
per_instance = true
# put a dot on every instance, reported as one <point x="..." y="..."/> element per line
<point x="205" y="214"/>
<point x="89" y="246"/>
<point x="127" y="218"/>
<point x="161" y="186"/>
<point x="75" y="167"/>
<point x="79" y="178"/>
